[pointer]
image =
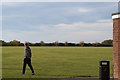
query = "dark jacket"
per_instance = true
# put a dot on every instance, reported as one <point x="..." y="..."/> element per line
<point x="27" y="52"/>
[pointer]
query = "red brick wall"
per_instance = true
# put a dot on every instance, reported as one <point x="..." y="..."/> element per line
<point x="116" y="47"/>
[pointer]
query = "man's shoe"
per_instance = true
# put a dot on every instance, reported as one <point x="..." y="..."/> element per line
<point x="33" y="73"/>
<point x="21" y="73"/>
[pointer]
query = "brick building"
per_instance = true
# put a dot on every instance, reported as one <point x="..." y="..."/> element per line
<point x="116" y="44"/>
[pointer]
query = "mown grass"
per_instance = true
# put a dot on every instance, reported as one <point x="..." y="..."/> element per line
<point x="56" y="62"/>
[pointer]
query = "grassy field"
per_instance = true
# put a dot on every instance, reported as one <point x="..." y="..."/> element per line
<point x="56" y="62"/>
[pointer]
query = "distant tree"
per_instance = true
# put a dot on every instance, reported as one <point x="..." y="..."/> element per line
<point x="42" y="43"/>
<point x="66" y="43"/>
<point x="89" y="44"/>
<point x="97" y="44"/>
<point x="56" y="43"/>
<point x="71" y="44"/>
<point x="21" y="44"/>
<point x="2" y="42"/>
<point x="81" y="43"/>
<point x="14" y="43"/>
<point x="36" y="44"/>
<point x="107" y="42"/>
<point x="61" y="44"/>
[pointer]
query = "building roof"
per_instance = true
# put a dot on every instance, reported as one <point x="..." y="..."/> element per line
<point x="115" y="15"/>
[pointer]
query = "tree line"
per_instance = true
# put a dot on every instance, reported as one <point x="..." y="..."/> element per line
<point x="105" y="43"/>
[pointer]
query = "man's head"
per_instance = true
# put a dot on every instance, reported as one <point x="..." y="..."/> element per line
<point x="26" y="44"/>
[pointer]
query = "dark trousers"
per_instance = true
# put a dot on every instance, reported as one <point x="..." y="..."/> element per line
<point x="27" y="61"/>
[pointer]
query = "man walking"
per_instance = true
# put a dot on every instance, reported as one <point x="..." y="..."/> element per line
<point x="27" y="58"/>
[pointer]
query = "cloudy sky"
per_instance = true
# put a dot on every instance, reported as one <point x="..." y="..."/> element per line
<point x="58" y="21"/>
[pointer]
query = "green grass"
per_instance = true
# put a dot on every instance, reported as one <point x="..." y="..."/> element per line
<point x="56" y="62"/>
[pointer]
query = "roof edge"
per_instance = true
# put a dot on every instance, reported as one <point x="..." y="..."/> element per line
<point x="116" y="13"/>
